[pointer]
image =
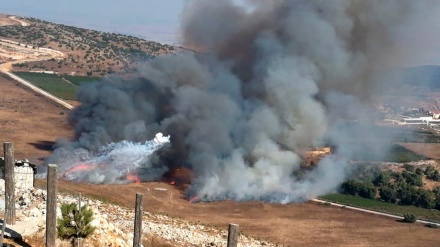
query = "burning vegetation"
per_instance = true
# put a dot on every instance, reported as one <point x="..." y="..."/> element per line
<point x="274" y="77"/>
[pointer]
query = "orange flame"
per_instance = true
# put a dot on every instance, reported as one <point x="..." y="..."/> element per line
<point x="133" y="178"/>
<point x="173" y="182"/>
<point x="196" y="198"/>
<point x="81" y="167"/>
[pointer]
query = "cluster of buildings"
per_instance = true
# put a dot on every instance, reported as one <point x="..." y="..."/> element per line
<point x="419" y="116"/>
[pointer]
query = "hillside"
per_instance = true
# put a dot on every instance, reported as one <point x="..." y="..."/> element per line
<point x="305" y="224"/>
<point x="88" y="52"/>
<point x="34" y="123"/>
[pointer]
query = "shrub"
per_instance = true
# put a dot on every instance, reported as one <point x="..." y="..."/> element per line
<point x="409" y="218"/>
<point x="73" y="223"/>
<point x="409" y="167"/>
<point x="430" y="225"/>
<point x="388" y="194"/>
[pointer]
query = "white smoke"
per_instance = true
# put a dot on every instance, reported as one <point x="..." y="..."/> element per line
<point x="276" y="76"/>
<point x="113" y="162"/>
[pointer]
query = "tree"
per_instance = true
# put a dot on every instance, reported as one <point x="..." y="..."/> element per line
<point x="407" y="194"/>
<point x="382" y="179"/>
<point x="410" y="218"/>
<point x="429" y="170"/>
<point x="412" y="178"/>
<point x="425" y="199"/>
<point x="388" y="194"/>
<point x="434" y="176"/>
<point x="357" y="188"/>
<point x="409" y="167"/>
<point x="74" y="224"/>
<point x="436" y="192"/>
<point x="350" y="187"/>
<point x="367" y="191"/>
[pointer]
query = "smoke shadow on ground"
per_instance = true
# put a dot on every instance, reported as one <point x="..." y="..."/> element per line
<point x="43" y="145"/>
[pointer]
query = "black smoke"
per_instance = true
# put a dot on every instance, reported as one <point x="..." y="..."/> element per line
<point x="271" y="77"/>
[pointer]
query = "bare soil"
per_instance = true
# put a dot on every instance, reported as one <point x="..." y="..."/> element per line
<point x="6" y="21"/>
<point x="32" y="123"/>
<point x="304" y="224"/>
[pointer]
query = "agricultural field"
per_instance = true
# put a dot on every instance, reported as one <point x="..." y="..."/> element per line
<point x="63" y="87"/>
<point x="51" y="83"/>
<point x="384" y="207"/>
<point x="78" y="80"/>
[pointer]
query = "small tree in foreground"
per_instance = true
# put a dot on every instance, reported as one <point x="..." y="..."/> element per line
<point x="74" y="223"/>
<point x="410" y="218"/>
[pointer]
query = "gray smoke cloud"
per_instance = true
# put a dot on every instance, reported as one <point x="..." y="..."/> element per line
<point x="273" y="77"/>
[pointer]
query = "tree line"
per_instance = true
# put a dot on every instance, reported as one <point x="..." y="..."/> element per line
<point x="404" y="188"/>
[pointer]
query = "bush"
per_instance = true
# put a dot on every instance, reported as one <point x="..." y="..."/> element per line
<point x="434" y="176"/>
<point x="412" y="178"/>
<point x="409" y="167"/>
<point x="382" y="179"/>
<point x="430" y="225"/>
<point x="357" y="188"/>
<point x="73" y="223"/>
<point x="429" y="170"/>
<point x="409" y="218"/>
<point x="388" y="194"/>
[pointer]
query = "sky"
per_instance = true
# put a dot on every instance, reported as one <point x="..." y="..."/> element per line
<point x="156" y="20"/>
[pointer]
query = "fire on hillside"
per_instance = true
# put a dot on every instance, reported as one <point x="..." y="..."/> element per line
<point x="278" y="76"/>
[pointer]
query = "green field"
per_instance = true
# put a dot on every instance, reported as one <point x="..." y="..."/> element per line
<point x="78" y="80"/>
<point x="384" y="207"/>
<point x="400" y="154"/>
<point x="51" y="83"/>
<point x="55" y="84"/>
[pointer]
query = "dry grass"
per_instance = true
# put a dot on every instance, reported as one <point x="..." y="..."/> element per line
<point x="32" y="123"/>
<point x="305" y="224"/>
<point x="430" y="150"/>
<point x="154" y="241"/>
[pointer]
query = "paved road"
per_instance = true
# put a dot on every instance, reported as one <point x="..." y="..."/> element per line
<point x="370" y="211"/>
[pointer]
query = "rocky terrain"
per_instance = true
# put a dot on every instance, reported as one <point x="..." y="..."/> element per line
<point x="114" y="224"/>
<point x="87" y="52"/>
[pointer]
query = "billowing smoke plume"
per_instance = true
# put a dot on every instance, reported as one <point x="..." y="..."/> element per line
<point x="272" y="77"/>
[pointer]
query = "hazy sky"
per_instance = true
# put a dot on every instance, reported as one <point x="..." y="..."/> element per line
<point x="156" y="20"/>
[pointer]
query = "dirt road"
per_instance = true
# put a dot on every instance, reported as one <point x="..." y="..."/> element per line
<point x="370" y="211"/>
<point x="22" y="53"/>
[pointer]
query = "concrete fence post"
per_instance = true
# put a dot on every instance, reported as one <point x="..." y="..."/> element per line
<point x="8" y="149"/>
<point x="233" y="233"/>
<point x="137" y="236"/>
<point x="51" y="205"/>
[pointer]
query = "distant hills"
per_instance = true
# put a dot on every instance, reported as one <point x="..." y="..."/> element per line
<point x="88" y="52"/>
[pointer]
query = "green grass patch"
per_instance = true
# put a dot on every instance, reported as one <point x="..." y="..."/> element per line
<point x="78" y="80"/>
<point x="51" y="83"/>
<point x="384" y="152"/>
<point x="402" y="155"/>
<point x="384" y="207"/>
